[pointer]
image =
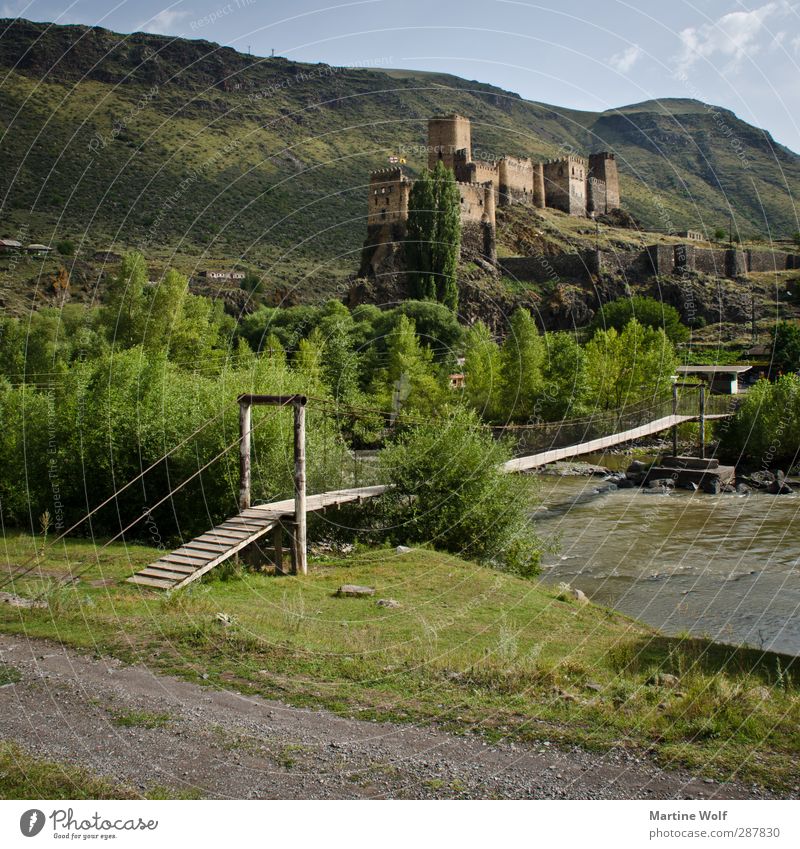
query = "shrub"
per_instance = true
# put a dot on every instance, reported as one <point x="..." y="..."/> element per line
<point x="66" y="247"/>
<point x="766" y="427"/>
<point x="647" y="311"/>
<point x="449" y="491"/>
<point x="786" y="354"/>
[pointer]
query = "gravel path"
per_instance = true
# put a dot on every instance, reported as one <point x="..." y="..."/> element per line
<point x="222" y="744"/>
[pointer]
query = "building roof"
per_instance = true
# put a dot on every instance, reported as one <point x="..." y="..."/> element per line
<point x="10" y="243"/>
<point x="712" y="369"/>
<point x="36" y="247"/>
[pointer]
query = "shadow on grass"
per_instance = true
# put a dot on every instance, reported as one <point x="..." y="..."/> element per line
<point x="679" y="655"/>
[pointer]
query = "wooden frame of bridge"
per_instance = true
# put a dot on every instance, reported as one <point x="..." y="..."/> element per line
<point x="195" y="558"/>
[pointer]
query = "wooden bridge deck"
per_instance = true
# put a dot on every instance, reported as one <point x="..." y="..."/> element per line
<point x="553" y="455"/>
<point x="195" y="558"/>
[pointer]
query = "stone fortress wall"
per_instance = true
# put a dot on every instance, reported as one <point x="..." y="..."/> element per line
<point x="572" y="184"/>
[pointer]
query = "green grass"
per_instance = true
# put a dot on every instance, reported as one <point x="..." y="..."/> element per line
<point x="140" y="719"/>
<point x="23" y="776"/>
<point x="470" y="649"/>
<point x="8" y="675"/>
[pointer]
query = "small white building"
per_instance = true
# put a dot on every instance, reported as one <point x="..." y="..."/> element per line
<point x="721" y="379"/>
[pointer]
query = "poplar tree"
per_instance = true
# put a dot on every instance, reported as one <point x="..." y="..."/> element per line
<point x="521" y="360"/>
<point x="433" y="236"/>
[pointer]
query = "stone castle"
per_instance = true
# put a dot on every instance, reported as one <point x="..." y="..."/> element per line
<point x="573" y="184"/>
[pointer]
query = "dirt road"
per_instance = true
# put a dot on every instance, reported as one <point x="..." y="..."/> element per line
<point x="71" y="708"/>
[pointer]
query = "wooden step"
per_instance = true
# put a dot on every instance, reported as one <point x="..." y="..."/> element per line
<point x="168" y="574"/>
<point x="177" y="568"/>
<point x="160" y="583"/>
<point x="210" y="547"/>
<point x="182" y="560"/>
<point x="221" y="534"/>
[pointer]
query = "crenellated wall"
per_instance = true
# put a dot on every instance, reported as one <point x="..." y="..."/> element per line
<point x="516" y="180"/>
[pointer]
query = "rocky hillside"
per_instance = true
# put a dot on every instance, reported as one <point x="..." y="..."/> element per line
<point x="198" y="154"/>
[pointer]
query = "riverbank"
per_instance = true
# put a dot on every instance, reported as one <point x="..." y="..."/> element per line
<point x="463" y="648"/>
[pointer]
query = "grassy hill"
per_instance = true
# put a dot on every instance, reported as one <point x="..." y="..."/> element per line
<point x="200" y="155"/>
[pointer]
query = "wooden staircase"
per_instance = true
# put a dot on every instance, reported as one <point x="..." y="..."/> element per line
<point x="195" y="558"/>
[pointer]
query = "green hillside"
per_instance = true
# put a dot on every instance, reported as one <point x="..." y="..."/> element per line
<point x="198" y="154"/>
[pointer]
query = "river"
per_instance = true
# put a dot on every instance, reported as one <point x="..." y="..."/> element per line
<point x="726" y="566"/>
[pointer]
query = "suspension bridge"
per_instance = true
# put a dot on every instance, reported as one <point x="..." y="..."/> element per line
<point x="195" y="558"/>
<point x="285" y="521"/>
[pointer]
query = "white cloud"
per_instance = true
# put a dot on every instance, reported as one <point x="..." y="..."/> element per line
<point x="625" y="59"/>
<point x="163" y="21"/>
<point x="734" y="36"/>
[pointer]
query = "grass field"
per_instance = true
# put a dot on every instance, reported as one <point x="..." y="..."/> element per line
<point x="468" y="648"/>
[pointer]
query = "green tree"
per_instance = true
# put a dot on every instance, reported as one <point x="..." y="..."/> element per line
<point x="165" y="312"/>
<point x="125" y="310"/>
<point x="565" y="380"/>
<point x="765" y="429"/>
<point x="409" y="383"/>
<point x="482" y="371"/>
<point x="521" y="360"/>
<point x="449" y="491"/>
<point x="786" y="352"/>
<point x="629" y="368"/>
<point x="647" y="311"/>
<point x="433" y="236"/>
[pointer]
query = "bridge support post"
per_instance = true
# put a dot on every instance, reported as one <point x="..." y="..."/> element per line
<point x="300" y="487"/>
<point x="674" y="413"/>
<point x="702" y="422"/>
<point x="298" y="404"/>
<point x="245" y="421"/>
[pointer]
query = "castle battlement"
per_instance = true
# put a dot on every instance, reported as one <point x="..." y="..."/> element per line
<point x="570" y="157"/>
<point x="397" y="171"/>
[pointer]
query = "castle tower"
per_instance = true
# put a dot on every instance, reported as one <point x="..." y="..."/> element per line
<point x="388" y="197"/>
<point x="448" y="134"/>
<point x="538" y="186"/>
<point x="603" y="167"/>
<point x="565" y="184"/>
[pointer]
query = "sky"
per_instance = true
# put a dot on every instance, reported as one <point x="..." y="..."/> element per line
<point x="594" y="54"/>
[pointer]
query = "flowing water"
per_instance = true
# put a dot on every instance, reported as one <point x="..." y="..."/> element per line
<point x="725" y="566"/>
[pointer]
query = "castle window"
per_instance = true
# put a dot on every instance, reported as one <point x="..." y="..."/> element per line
<point x="383" y="191"/>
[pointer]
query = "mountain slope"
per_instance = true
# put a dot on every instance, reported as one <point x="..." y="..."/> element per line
<point x="186" y="147"/>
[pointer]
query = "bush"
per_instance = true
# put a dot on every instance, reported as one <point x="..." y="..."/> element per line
<point x="647" y="311"/>
<point x="766" y="428"/>
<point x="786" y="354"/>
<point x="449" y="491"/>
<point x="66" y="247"/>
